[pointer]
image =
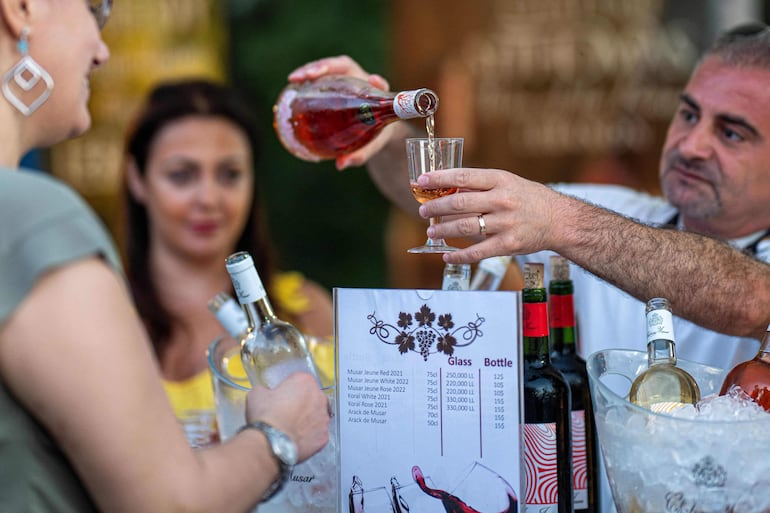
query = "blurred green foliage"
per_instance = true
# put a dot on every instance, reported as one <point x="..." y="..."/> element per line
<point x="327" y="224"/>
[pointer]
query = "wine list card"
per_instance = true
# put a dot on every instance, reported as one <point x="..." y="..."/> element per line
<point x="428" y="388"/>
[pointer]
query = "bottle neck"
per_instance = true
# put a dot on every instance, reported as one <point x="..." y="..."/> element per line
<point x="660" y="337"/>
<point x="415" y="103"/>
<point x="259" y="312"/>
<point x="661" y="352"/>
<point x="561" y="315"/>
<point x="535" y="326"/>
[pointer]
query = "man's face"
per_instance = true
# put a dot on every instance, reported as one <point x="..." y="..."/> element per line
<point x="715" y="165"/>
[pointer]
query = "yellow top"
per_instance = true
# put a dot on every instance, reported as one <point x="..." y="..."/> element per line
<point x="196" y="392"/>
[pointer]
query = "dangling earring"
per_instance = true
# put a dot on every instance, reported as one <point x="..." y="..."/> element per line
<point x="26" y="74"/>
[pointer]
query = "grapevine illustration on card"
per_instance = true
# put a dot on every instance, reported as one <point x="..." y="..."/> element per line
<point x="425" y="332"/>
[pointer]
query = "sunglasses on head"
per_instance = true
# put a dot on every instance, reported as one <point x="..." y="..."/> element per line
<point x="101" y="10"/>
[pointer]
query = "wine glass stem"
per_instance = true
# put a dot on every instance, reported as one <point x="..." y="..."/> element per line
<point x="431" y="240"/>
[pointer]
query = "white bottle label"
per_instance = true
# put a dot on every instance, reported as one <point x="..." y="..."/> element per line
<point x="232" y="318"/>
<point x="248" y="286"/>
<point x="579" y="460"/>
<point x="404" y="104"/>
<point x="454" y="283"/>
<point x="660" y="325"/>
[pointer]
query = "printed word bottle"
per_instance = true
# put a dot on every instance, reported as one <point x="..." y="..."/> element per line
<point x="230" y="315"/>
<point x="662" y="386"/>
<point x="561" y="315"/>
<point x="753" y="376"/>
<point x="334" y="115"/>
<point x="272" y="349"/>
<point x="490" y="273"/>
<point x="456" y="277"/>
<point x="547" y="405"/>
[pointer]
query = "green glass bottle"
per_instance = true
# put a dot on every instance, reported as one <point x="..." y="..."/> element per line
<point x="564" y="336"/>
<point x="547" y="405"/>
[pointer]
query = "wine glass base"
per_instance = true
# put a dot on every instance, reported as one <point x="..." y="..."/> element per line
<point x="437" y="248"/>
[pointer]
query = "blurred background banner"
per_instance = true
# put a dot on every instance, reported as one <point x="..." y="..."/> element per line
<point x="557" y="90"/>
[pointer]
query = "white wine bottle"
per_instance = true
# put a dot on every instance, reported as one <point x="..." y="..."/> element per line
<point x="456" y="277"/>
<point x="230" y="315"/>
<point x="490" y="272"/>
<point x="662" y="386"/>
<point x="272" y="349"/>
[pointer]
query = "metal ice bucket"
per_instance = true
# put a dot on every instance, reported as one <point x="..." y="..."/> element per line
<point x="659" y="463"/>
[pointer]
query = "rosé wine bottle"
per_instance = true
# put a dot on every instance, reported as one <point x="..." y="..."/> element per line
<point x="335" y="115"/>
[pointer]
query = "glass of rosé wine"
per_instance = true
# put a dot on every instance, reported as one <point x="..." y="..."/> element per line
<point x="432" y="154"/>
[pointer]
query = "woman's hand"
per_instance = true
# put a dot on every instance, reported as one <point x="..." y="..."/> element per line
<point x="298" y="407"/>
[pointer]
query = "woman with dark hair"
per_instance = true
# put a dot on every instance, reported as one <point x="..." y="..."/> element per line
<point x="192" y="199"/>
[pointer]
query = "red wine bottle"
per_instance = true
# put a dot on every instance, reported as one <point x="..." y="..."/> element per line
<point x="753" y="376"/>
<point x="335" y="115"/>
<point x="561" y="316"/>
<point x="547" y="407"/>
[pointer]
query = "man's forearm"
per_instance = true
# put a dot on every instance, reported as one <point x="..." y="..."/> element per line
<point x="706" y="280"/>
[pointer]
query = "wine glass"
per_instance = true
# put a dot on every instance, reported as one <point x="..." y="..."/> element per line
<point x="371" y="500"/>
<point x="483" y="489"/>
<point x="431" y="154"/>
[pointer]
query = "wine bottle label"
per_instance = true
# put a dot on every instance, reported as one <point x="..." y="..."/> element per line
<point x="535" y="319"/>
<point x="660" y="325"/>
<point x="285" y="129"/>
<point x="670" y="407"/>
<point x="579" y="460"/>
<point x="542" y="490"/>
<point x="248" y="286"/>
<point x="454" y="283"/>
<point x="404" y="104"/>
<point x="562" y="311"/>
<point x="232" y="317"/>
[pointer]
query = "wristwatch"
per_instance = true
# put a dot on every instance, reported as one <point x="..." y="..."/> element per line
<point x="283" y="449"/>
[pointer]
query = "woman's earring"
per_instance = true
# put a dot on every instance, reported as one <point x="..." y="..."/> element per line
<point x="26" y="74"/>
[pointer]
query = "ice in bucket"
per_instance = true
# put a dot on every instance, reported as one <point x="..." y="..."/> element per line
<point x="313" y="487"/>
<point x="659" y="463"/>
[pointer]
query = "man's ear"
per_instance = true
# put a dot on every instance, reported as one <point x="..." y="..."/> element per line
<point x="134" y="181"/>
<point x="15" y="16"/>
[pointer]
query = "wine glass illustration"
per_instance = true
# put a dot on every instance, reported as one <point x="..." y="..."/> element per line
<point x="481" y="490"/>
<point x="431" y="154"/>
<point x="372" y="500"/>
<point x="409" y="497"/>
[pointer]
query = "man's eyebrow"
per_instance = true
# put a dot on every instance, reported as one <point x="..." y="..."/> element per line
<point x="726" y="118"/>
<point x="686" y="98"/>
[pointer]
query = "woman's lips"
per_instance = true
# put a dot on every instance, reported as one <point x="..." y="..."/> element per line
<point x="205" y="227"/>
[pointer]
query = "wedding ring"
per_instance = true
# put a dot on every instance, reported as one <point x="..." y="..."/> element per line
<point x="482" y="225"/>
